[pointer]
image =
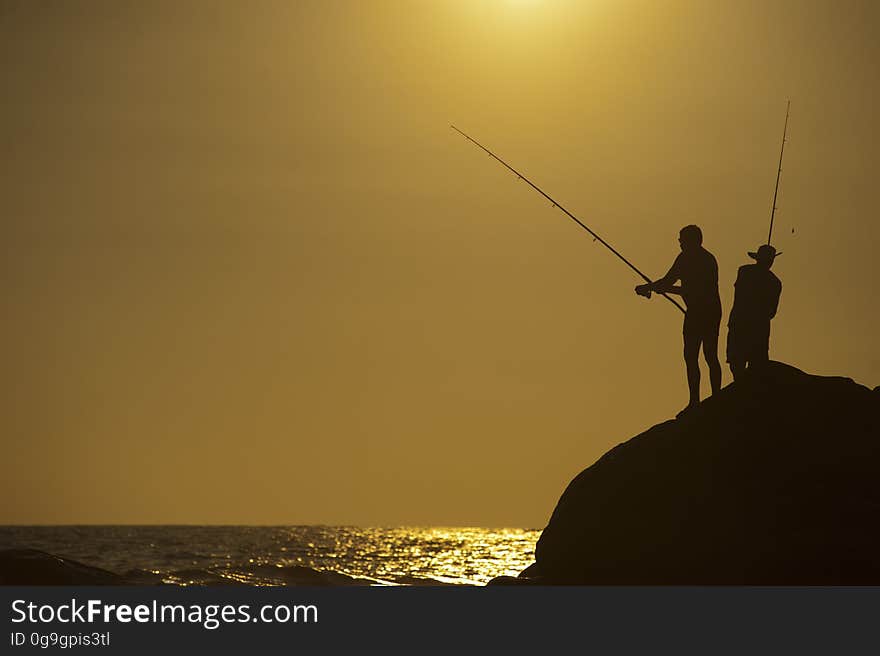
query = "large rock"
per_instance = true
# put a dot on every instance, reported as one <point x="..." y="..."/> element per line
<point x="775" y="480"/>
<point x="33" y="567"/>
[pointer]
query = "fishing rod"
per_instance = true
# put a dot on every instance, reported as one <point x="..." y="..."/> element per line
<point x="569" y="214"/>
<point x="778" y="172"/>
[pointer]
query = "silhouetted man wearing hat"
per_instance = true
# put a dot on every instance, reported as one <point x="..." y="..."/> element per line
<point x="755" y="300"/>
<point x="697" y="270"/>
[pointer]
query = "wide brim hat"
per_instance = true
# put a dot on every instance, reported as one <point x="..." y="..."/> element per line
<point x="765" y="252"/>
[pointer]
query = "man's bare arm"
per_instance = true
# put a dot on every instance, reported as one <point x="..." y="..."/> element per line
<point x="774" y="303"/>
<point x="664" y="285"/>
<point x="667" y="282"/>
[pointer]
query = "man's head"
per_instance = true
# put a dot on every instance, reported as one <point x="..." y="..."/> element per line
<point x="765" y="255"/>
<point x="690" y="237"/>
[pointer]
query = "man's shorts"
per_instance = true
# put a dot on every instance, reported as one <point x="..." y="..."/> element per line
<point x="701" y="325"/>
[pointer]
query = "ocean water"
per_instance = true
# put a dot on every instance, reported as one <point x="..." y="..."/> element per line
<point x="287" y="555"/>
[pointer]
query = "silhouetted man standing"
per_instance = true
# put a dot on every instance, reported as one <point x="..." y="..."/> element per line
<point x="755" y="301"/>
<point x="697" y="270"/>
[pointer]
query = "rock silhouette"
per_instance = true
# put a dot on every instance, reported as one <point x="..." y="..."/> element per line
<point x="775" y="480"/>
<point x="33" y="567"/>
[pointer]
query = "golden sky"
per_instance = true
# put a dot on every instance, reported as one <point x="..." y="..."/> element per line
<point x="251" y="275"/>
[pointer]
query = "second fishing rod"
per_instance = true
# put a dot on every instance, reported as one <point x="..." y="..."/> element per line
<point x="569" y="214"/>
<point x="778" y="172"/>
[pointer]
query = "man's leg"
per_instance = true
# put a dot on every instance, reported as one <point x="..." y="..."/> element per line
<point x="760" y="355"/>
<point x="759" y="351"/>
<point x="692" y="363"/>
<point x="737" y="368"/>
<point x="710" y="352"/>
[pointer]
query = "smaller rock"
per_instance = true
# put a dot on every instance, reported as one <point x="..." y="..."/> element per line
<point x="33" y="567"/>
